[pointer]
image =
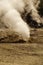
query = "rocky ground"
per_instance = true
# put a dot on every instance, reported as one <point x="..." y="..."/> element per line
<point x="30" y="53"/>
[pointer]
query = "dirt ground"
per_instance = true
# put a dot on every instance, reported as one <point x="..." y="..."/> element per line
<point x="30" y="53"/>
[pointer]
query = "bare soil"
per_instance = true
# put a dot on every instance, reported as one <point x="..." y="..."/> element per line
<point x="30" y="53"/>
